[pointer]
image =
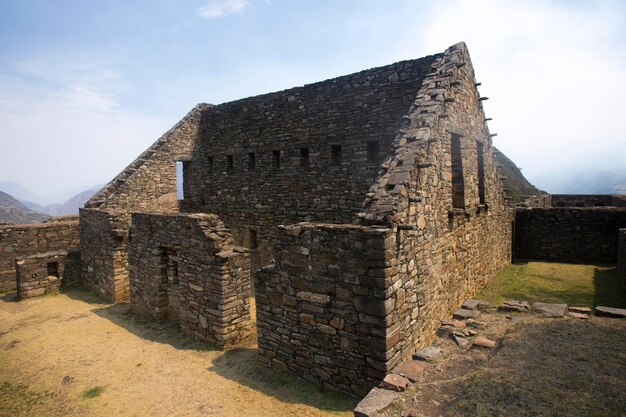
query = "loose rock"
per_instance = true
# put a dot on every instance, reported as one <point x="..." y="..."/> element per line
<point x="515" y="305"/>
<point x="463" y="314"/>
<point x="412" y="370"/>
<point x="550" y="310"/>
<point x="611" y="312"/>
<point x="394" y="382"/>
<point x="375" y="402"/>
<point x="427" y="354"/>
<point x="484" y="342"/>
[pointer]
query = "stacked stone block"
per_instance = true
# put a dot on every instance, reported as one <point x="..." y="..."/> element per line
<point x="588" y="200"/>
<point x="206" y="286"/>
<point x="621" y="255"/>
<point x="104" y="261"/>
<point x="568" y="234"/>
<point x="47" y="272"/>
<point x="323" y="309"/>
<point x="23" y="240"/>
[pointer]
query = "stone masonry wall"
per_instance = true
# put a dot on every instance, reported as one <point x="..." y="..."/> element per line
<point x="187" y="268"/>
<point x="46" y="273"/>
<point x="588" y="200"/>
<point x="621" y="254"/>
<point x="22" y="240"/>
<point x="304" y="154"/>
<point x="322" y="309"/>
<point x="446" y="249"/>
<point x="104" y="261"/>
<point x="568" y="234"/>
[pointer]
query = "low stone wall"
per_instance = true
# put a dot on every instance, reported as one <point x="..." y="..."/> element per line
<point x="23" y="240"/>
<point x="321" y="309"/>
<point x="568" y="234"/>
<point x="588" y="200"/>
<point x="185" y="267"/>
<point x="47" y="272"/>
<point x="621" y="254"/>
<point x="104" y="263"/>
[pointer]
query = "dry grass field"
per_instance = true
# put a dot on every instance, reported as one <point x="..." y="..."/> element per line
<point x="68" y="355"/>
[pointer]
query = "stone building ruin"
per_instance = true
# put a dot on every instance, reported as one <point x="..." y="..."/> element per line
<point x="357" y="211"/>
<point x="362" y="209"/>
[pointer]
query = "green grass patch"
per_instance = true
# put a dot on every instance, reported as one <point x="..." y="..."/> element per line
<point x="93" y="392"/>
<point x="576" y="285"/>
<point x="19" y="399"/>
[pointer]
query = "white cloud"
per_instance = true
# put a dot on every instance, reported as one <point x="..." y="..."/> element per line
<point x="220" y="8"/>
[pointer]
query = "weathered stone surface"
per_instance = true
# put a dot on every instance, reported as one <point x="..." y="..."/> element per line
<point x="394" y="382"/>
<point x="580" y="316"/>
<point x="549" y="309"/>
<point x="476" y="324"/>
<point x="515" y="305"/>
<point x="428" y="353"/>
<point x="462" y="341"/>
<point x="580" y="310"/>
<point x="475" y="304"/>
<point x="375" y="402"/>
<point x="411" y="369"/>
<point x="463" y="314"/>
<point x="610" y="312"/>
<point x="24" y="240"/>
<point x="483" y="342"/>
<point x="453" y="323"/>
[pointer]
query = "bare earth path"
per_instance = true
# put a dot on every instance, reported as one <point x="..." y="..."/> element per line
<point x="68" y="355"/>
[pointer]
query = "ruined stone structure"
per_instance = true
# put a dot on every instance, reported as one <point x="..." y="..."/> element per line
<point x="588" y="200"/>
<point x="47" y="272"/>
<point x="24" y="240"/>
<point x="568" y="234"/>
<point x="185" y="267"/>
<point x="386" y="184"/>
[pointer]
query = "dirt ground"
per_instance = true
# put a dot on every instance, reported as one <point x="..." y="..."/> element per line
<point x="68" y="355"/>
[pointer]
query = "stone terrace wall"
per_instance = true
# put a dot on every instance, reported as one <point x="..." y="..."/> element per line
<point x="187" y="268"/>
<point x="568" y="234"/>
<point x="323" y="311"/>
<point x="104" y="262"/>
<point x="22" y="240"/>
<point x="621" y="254"/>
<point x="47" y="272"/>
<point x="588" y="200"/>
<point x="345" y="113"/>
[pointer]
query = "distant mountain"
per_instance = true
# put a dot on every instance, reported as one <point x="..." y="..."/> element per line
<point x="18" y="191"/>
<point x="70" y="206"/>
<point x="515" y="184"/>
<point x="13" y="211"/>
<point x="587" y="182"/>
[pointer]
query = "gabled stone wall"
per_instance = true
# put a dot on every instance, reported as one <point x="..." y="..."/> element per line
<point x="23" y="240"/>
<point x="187" y="268"/>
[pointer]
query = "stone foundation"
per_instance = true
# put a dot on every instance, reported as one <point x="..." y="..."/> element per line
<point x="185" y="267"/>
<point x="23" y="240"/>
<point x="46" y="273"/>
<point x="588" y="200"/>
<point x="568" y="234"/>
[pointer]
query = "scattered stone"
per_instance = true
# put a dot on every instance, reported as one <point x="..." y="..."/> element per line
<point x="515" y="305"/>
<point x="472" y="332"/>
<point x="463" y="314"/>
<point x="453" y="323"/>
<point x="484" y="342"/>
<point x="550" y="310"/>
<point x="427" y="354"/>
<point x="580" y="310"/>
<point x="475" y="304"/>
<point x="394" y="382"/>
<point x="67" y="380"/>
<point x="412" y="370"/>
<point x="462" y="341"/>
<point x="476" y="324"/>
<point x="611" y="312"/>
<point x="461" y="333"/>
<point x="375" y="402"/>
<point x="579" y="315"/>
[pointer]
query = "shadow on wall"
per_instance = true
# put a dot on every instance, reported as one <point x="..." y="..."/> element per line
<point x="241" y="365"/>
<point x="609" y="288"/>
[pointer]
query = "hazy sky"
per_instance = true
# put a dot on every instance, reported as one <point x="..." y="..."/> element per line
<point x="86" y="86"/>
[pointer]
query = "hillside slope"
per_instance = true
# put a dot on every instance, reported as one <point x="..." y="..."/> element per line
<point x="13" y="211"/>
<point x="515" y="183"/>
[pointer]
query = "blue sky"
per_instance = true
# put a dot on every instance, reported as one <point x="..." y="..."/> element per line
<point x="86" y="86"/>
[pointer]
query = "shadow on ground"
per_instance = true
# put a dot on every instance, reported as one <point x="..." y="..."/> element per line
<point x="241" y="364"/>
<point x="610" y="289"/>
